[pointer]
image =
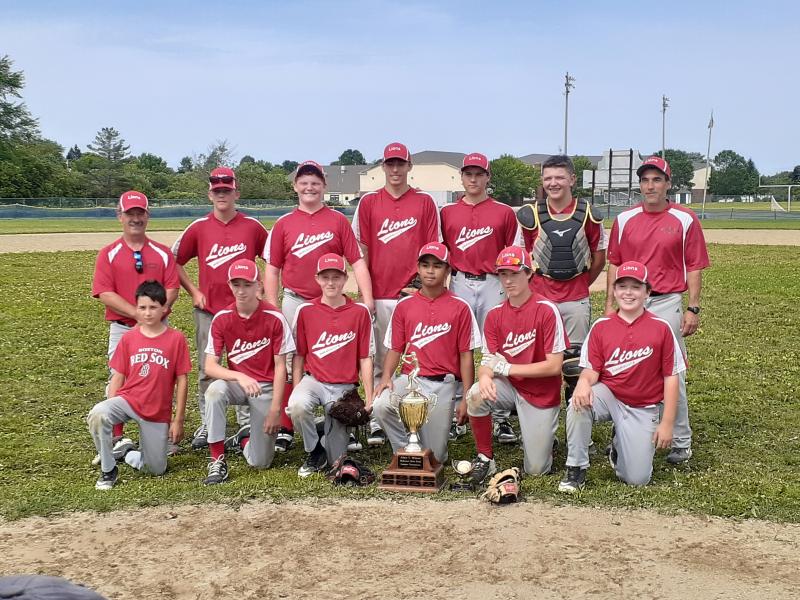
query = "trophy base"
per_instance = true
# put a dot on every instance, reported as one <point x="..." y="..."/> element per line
<point x="413" y="472"/>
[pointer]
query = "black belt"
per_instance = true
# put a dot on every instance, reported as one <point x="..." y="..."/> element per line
<point x="437" y="378"/>
<point x="123" y="323"/>
<point x="481" y="277"/>
<point x="653" y="293"/>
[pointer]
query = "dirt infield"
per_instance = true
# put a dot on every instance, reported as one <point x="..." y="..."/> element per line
<point x="418" y="548"/>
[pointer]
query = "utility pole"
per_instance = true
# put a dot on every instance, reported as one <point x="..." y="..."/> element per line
<point x="708" y="165"/>
<point x="664" y="105"/>
<point x="569" y="83"/>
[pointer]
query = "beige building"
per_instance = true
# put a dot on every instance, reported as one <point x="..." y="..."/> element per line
<point x="438" y="173"/>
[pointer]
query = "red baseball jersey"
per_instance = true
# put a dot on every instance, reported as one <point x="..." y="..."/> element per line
<point x="393" y="230"/>
<point x="251" y="343"/>
<point x="438" y="330"/>
<point x="298" y="239"/>
<point x="476" y="233"/>
<point x="216" y="245"/>
<point x="576" y="288"/>
<point x="333" y="340"/>
<point x="633" y="358"/>
<point x="525" y="335"/>
<point x="151" y="366"/>
<point x="115" y="271"/>
<point x="669" y="243"/>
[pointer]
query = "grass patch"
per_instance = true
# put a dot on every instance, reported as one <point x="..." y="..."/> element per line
<point x="745" y="415"/>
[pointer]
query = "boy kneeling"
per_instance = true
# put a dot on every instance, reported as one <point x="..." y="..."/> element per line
<point x="631" y="363"/>
<point x="334" y="345"/>
<point x="256" y="338"/>
<point x="149" y="365"/>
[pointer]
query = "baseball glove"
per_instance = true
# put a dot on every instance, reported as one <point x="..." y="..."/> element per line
<point x="350" y="410"/>
<point x="349" y="471"/>
<point x="503" y="488"/>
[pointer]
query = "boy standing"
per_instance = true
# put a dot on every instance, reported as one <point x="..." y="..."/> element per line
<point x="523" y="350"/>
<point x="256" y="338"/>
<point x="222" y="236"/>
<point x="335" y="345"/>
<point x="441" y="329"/>
<point x="631" y="362"/>
<point x="149" y="365"/>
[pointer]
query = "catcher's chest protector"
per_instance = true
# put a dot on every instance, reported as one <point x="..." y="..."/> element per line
<point x="561" y="250"/>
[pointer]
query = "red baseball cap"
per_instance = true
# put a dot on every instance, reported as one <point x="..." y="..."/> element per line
<point x="396" y="150"/>
<point x="634" y="270"/>
<point x="222" y="178"/>
<point x="513" y="258"/>
<point x="331" y="261"/>
<point x="133" y="199"/>
<point x="437" y="250"/>
<point x="244" y="268"/>
<point x="309" y="166"/>
<point x="476" y="160"/>
<point x="655" y="162"/>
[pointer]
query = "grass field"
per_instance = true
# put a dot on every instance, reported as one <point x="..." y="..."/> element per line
<point x="745" y="412"/>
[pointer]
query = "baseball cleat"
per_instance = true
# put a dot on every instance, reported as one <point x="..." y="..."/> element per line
<point x="284" y="441"/>
<point x="504" y="433"/>
<point x="234" y="443"/>
<point x="217" y="471"/>
<point x="376" y="438"/>
<point x="353" y="443"/>
<point x="200" y="438"/>
<point x="483" y="467"/>
<point x="612" y="456"/>
<point x="574" y="480"/>
<point x="107" y="480"/>
<point x="121" y="448"/>
<point x="456" y="430"/>
<point x="316" y="461"/>
<point x="678" y="456"/>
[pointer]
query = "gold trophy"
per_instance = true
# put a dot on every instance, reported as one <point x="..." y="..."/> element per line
<point x="414" y="468"/>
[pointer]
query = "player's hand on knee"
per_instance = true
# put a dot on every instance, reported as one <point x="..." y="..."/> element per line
<point x="250" y="386"/>
<point x="662" y="436"/>
<point x="582" y="397"/>
<point x="487" y="388"/>
<point x="273" y="422"/>
<point x="383" y="385"/>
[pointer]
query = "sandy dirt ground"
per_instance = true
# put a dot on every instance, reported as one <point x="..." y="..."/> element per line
<point x="417" y="548"/>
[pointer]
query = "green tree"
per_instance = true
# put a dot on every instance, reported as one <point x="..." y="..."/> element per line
<point x="680" y="163"/>
<point x="581" y="164"/>
<point x="186" y="165"/>
<point x="733" y="175"/>
<point x="513" y="180"/>
<point x="350" y="157"/>
<point x="16" y="123"/>
<point x="796" y="174"/>
<point x="34" y="169"/>
<point x="219" y="154"/>
<point x="109" y="144"/>
<point x="257" y="182"/>
<point x="74" y="153"/>
<point x="289" y="165"/>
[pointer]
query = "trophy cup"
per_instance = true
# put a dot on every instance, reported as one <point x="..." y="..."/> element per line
<point x="414" y="468"/>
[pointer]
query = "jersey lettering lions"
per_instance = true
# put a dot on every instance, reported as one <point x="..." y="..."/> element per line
<point x="469" y="237"/>
<point x="516" y="343"/>
<point x="437" y="329"/>
<point x="333" y="341"/>
<point x="392" y="229"/>
<point x="308" y="243"/>
<point x="622" y="360"/>
<point x="243" y="350"/>
<point x="220" y="255"/>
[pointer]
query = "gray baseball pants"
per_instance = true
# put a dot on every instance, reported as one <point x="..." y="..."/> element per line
<point x="153" y="437"/>
<point x="670" y="308"/>
<point x="434" y="434"/>
<point x="577" y="317"/>
<point x="308" y="395"/>
<point x="633" y="439"/>
<point x="537" y="425"/>
<point x="383" y="316"/>
<point x="260" y="450"/>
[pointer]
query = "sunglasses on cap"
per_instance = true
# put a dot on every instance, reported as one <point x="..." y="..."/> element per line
<point x="508" y="261"/>
<point x="227" y="179"/>
<point x="138" y="263"/>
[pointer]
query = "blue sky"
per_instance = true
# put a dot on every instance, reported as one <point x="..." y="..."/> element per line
<point x="302" y="80"/>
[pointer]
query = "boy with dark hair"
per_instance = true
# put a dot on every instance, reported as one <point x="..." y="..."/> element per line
<point x="631" y="362"/>
<point x="150" y="365"/>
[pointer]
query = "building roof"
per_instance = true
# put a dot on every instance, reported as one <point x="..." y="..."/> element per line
<point x="537" y="159"/>
<point x="344" y="179"/>
<point x="430" y="157"/>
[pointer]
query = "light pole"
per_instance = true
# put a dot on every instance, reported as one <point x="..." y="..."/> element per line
<point x="569" y="82"/>
<point x="664" y="105"/>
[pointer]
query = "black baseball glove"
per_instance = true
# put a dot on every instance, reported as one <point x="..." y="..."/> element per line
<point x="350" y="410"/>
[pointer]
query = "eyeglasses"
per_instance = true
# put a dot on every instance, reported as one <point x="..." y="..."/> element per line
<point x="227" y="179"/>
<point x="138" y="263"/>
<point x="508" y="261"/>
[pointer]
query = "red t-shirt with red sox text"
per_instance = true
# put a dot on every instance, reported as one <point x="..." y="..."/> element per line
<point x="250" y="343"/>
<point x="633" y="358"/>
<point x="576" y="288"/>
<point x="669" y="243"/>
<point x="297" y="241"/>
<point x="527" y="334"/>
<point x="333" y="340"/>
<point x="437" y="329"/>
<point x="476" y="233"/>
<point x="115" y="271"/>
<point x="393" y="230"/>
<point x="151" y="366"/>
<point x="216" y="245"/>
